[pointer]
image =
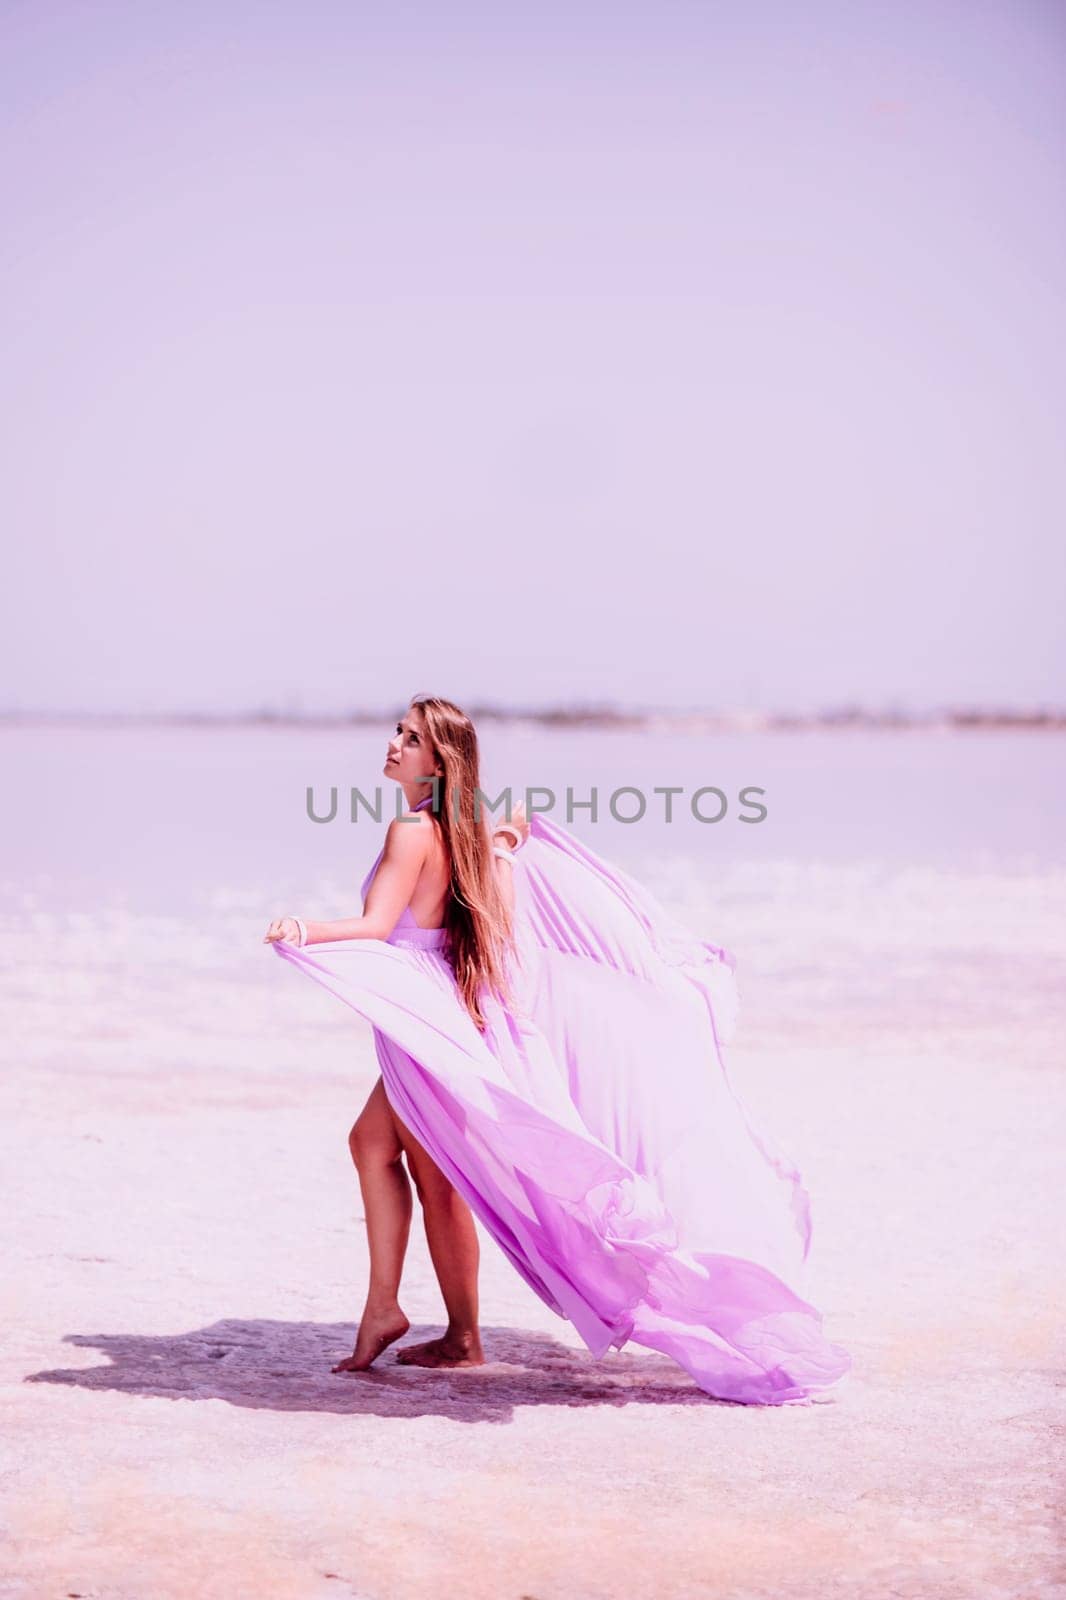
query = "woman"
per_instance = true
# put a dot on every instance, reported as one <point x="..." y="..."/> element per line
<point x="410" y="895"/>
<point x="550" y="1054"/>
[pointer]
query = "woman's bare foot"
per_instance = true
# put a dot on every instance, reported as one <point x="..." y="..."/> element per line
<point x="378" y="1328"/>
<point x="451" y="1350"/>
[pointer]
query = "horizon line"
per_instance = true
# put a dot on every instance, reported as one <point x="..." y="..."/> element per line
<point x="600" y="714"/>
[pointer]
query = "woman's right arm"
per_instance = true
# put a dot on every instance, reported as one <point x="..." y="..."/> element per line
<point x="402" y="860"/>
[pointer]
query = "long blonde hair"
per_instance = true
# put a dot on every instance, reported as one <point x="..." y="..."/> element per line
<point x="478" y="919"/>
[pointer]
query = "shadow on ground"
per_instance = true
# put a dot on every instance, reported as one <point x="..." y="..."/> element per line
<point x="285" y="1366"/>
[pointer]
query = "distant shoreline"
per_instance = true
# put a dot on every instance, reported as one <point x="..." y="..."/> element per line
<point x="849" y="718"/>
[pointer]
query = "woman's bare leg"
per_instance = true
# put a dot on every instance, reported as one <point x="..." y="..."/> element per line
<point x="453" y="1247"/>
<point x="378" y="1156"/>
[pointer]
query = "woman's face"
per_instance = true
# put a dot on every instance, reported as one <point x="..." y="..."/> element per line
<point x="410" y="755"/>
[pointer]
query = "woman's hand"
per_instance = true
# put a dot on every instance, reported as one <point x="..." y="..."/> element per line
<point x="519" y="825"/>
<point x="283" y="930"/>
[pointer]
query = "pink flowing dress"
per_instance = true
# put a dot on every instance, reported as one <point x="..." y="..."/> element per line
<point x="593" y="1129"/>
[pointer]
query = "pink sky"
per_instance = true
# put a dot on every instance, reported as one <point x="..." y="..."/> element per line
<point x="676" y="354"/>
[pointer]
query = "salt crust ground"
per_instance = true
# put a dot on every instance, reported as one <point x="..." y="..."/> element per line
<point x="185" y="1259"/>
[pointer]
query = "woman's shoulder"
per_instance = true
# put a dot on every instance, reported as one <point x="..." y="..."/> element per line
<point x="418" y="838"/>
<point x="414" y="830"/>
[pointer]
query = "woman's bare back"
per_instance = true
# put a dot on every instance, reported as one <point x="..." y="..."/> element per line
<point x="429" y="899"/>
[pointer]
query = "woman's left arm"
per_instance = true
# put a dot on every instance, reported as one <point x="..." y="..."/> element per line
<point x="390" y="892"/>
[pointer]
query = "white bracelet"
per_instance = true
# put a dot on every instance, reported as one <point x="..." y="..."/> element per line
<point x="303" y="931"/>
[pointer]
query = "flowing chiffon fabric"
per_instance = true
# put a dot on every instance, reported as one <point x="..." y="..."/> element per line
<point x="593" y="1128"/>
